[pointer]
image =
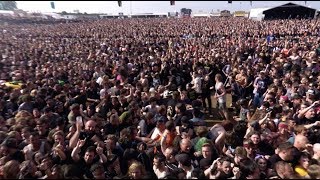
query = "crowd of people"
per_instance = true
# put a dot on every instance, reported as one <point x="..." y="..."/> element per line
<point x="129" y="99"/>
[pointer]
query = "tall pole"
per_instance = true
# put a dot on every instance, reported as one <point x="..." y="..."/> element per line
<point x="130" y="8"/>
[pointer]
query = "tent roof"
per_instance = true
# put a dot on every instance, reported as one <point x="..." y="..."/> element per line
<point x="289" y="5"/>
<point x="256" y="11"/>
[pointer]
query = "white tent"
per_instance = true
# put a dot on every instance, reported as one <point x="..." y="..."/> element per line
<point x="5" y="12"/>
<point x="257" y="13"/>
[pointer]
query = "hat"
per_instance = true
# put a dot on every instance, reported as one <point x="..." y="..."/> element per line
<point x="311" y="92"/>
<point x="167" y="94"/>
<point x="285" y="98"/>
<point x="282" y="125"/>
<point x="183" y="158"/>
<point x="10" y="143"/>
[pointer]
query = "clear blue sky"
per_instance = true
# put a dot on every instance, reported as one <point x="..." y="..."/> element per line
<point x="150" y="6"/>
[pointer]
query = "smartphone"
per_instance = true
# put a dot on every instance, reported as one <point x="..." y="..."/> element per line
<point x="79" y="119"/>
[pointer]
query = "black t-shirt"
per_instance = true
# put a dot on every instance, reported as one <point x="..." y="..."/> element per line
<point x="265" y="148"/>
<point x="84" y="168"/>
<point x="304" y="120"/>
<point x="84" y="135"/>
<point x="18" y="156"/>
<point x="111" y="129"/>
<point x="273" y="160"/>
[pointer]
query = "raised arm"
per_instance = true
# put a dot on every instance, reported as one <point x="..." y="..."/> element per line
<point x="75" y="152"/>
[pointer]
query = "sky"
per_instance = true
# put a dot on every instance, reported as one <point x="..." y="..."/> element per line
<point x="111" y="7"/>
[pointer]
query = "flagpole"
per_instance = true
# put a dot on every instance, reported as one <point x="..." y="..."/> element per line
<point x="130" y="8"/>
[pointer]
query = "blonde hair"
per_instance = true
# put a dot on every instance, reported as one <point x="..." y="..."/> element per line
<point x="136" y="165"/>
<point x="314" y="171"/>
<point x="23" y="113"/>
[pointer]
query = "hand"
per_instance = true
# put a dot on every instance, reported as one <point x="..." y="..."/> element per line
<point x="317" y="123"/>
<point x="315" y="103"/>
<point x="197" y="154"/>
<point x="43" y="166"/>
<point x="236" y="172"/>
<point x="79" y="125"/>
<point x="309" y="147"/>
<point x="228" y="153"/>
<point x="215" y="161"/>
<point x="59" y="147"/>
<point x="81" y="143"/>
<point x="99" y="150"/>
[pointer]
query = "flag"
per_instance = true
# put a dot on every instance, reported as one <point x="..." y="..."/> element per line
<point x="52" y="5"/>
<point x="119" y="3"/>
<point x="172" y="3"/>
<point x="229" y="2"/>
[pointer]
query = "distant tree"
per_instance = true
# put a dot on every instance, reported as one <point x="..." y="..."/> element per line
<point x="63" y="12"/>
<point x="8" y="5"/>
<point x="85" y="13"/>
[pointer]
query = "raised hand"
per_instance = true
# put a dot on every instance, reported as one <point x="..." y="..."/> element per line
<point x="99" y="150"/>
<point x="81" y="143"/>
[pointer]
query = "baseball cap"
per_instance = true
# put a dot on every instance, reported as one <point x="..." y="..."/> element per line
<point x="311" y="92"/>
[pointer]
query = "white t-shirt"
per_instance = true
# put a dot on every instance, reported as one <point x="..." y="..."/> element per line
<point x="197" y="83"/>
<point x="219" y="86"/>
<point x="160" y="174"/>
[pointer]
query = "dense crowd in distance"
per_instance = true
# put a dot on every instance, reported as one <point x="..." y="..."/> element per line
<point x="129" y="99"/>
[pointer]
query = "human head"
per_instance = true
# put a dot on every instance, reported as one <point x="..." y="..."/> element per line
<point x="316" y="150"/>
<point x="283" y="169"/>
<point x="206" y="150"/>
<point x="169" y="154"/>
<point x="249" y="147"/>
<point x="314" y="171"/>
<point x="159" y="160"/>
<point x="240" y="153"/>
<point x="89" y="154"/>
<point x="262" y="163"/>
<point x="136" y="170"/>
<point x="300" y="142"/>
<point x="97" y="171"/>
<point x="218" y="77"/>
<point x="249" y="169"/>
<point x="285" y="151"/>
<point x="304" y="160"/>
<point x="111" y="141"/>
<point x="255" y="138"/>
<point x="226" y="165"/>
<point x="58" y="137"/>
<point x="183" y="160"/>
<point x="90" y="126"/>
<point x="185" y="145"/>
